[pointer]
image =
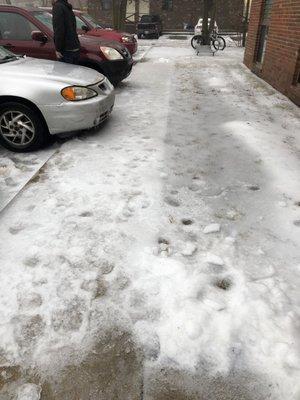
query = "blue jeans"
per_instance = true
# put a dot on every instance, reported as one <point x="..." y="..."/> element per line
<point x="70" y="57"/>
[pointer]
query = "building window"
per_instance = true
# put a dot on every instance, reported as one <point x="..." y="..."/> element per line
<point x="106" y="4"/>
<point x="296" y="80"/>
<point x="263" y="31"/>
<point x="167" y="5"/>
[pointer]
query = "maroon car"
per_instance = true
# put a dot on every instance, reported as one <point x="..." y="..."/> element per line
<point x="87" y="25"/>
<point x="29" y="31"/>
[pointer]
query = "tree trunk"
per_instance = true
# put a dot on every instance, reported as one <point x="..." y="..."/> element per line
<point x="122" y="15"/>
<point x="137" y="12"/>
<point x="213" y="16"/>
<point x="205" y="32"/>
<point x="208" y="5"/>
<point x="119" y="8"/>
<point x="245" y="22"/>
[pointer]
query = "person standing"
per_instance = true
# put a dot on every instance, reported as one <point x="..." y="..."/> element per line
<point x="66" y="40"/>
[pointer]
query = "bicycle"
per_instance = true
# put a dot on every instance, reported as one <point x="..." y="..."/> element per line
<point x="216" y="41"/>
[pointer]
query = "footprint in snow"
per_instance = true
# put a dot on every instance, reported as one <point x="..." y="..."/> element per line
<point x="224" y="283"/>
<point x="171" y="201"/>
<point x="253" y="188"/>
<point x="85" y="214"/>
<point x="187" y="221"/>
<point x="10" y="182"/>
<point x="29" y="301"/>
<point x="164" y="248"/>
<point x="31" y="261"/>
<point x="16" y="228"/>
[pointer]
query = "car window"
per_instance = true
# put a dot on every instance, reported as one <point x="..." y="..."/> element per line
<point x="91" y="21"/>
<point x="146" y="18"/>
<point x="45" y="18"/>
<point x="79" y="23"/>
<point x="14" y="26"/>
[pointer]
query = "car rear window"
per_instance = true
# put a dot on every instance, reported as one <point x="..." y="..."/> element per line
<point x="147" y="18"/>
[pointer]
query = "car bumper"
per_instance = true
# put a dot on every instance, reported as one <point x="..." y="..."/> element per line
<point x="116" y="71"/>
<point x="78" y="116"/>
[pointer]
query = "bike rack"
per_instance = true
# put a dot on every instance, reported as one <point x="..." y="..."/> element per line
<point x="205" y="49"/>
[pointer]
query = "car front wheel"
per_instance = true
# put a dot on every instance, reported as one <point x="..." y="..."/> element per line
<point x="21" y="128"/>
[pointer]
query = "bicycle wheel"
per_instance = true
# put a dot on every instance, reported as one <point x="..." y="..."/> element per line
<point x="222" y="42"/>
<point x="196" y="41"/>
<point x="215" y="44"/>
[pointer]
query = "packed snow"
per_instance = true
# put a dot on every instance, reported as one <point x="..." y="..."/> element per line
<point x="174" y="228"/>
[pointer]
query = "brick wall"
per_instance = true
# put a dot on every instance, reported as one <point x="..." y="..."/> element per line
<point x="229" y="14"/>
<point x="282" y="59"/>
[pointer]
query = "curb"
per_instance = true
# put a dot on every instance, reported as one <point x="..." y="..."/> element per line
<point x="10" y="201"/>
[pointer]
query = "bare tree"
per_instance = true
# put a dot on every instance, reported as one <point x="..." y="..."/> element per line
<point x="119" y="8"/>
<point x="209" y="11"/>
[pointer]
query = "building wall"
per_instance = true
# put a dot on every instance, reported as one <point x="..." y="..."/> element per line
<point x="229" y="14"/>
<point x="281" y="64"/>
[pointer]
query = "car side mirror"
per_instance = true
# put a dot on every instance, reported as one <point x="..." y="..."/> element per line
<point x="85" y="28"/>
<point x="39" y="36"/>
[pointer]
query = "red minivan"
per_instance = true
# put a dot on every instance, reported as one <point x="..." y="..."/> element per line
<point x="29" y="31"/>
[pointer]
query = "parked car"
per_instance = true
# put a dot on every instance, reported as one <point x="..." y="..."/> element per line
<point x="150" y="26"/>
<point x="86" y="24"/>
<point x="39" y="98"/>
<point x="29" y="31"/>
<point x="198" y="27"/>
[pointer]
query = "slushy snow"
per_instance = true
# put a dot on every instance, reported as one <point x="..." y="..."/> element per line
<point x="98" y="242"/>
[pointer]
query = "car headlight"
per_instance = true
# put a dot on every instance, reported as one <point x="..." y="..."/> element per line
<point x="127" y="39"/>
<point x="110" y="53"/>
<point x="77" y="93"/>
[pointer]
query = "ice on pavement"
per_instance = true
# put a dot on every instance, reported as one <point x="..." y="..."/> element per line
<point x="110" y="233"/>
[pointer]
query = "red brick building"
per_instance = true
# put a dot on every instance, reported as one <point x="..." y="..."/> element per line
<point x="273" y="44"/>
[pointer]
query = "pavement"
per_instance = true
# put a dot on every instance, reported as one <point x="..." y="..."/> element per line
<point x="158" y="258"/>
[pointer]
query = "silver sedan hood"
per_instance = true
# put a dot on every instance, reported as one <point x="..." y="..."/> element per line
<point x="49" y="71"/>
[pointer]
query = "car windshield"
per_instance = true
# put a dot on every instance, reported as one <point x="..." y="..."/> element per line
<point x="45" y="18"/>
<point x="91" y="21"/>
<point x="6" y="55"/>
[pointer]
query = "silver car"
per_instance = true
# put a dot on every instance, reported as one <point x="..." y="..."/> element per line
<point x="40" y="98"/>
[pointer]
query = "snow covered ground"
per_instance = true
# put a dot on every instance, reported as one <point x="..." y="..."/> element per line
<point x="159" y="258"/>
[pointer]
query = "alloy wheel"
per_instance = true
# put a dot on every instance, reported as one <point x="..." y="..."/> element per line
<point x="17" y="128"/>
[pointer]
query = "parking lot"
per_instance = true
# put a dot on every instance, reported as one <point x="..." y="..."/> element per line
<point x="158" y="257"/>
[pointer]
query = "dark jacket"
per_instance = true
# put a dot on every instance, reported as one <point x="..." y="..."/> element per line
<point x="64" y="27"/>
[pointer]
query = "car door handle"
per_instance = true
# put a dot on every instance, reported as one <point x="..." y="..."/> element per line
<point x="8" y="46"/>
